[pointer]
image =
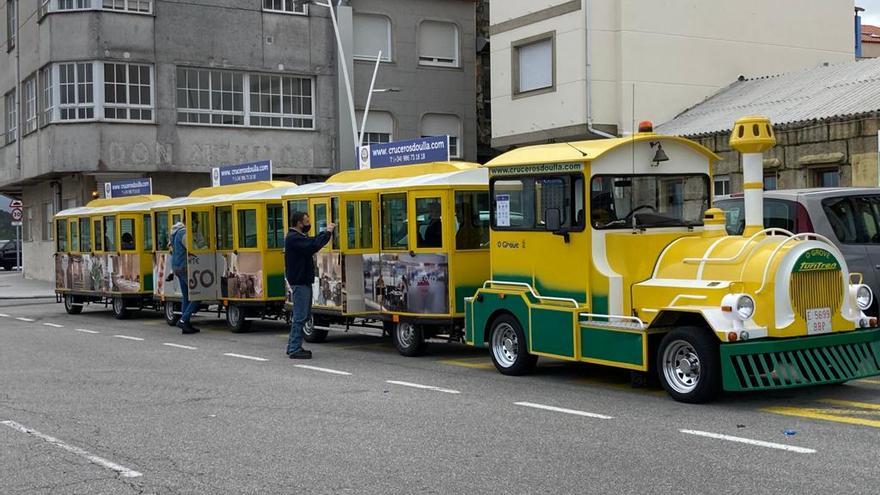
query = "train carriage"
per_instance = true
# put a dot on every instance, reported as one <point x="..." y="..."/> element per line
<point x="104" y="254"/>
<point x="235" y="244"/>
<point x="607" y="252"/>
<point x="411" y="242"/>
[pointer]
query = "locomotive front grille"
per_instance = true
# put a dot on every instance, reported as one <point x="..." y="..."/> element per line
<point x="816" y="289"/>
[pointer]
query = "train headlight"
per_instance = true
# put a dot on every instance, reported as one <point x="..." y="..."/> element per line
<point x="863" y="296"/>
<point x="738" y="306"/>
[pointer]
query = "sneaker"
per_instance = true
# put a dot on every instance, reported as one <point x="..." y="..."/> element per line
<point x="186" y="328"/>
<point x="300" y="354"/>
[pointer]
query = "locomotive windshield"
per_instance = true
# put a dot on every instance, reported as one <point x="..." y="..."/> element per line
<point x="643" y="201"/>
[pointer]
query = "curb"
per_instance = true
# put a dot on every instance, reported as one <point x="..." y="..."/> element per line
<point x="16" y="298"/>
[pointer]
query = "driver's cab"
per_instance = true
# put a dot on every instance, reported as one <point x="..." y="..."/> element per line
<point x="585" y="221"/>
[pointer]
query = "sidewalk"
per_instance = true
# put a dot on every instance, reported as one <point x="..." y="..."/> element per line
<point x="13" y="286"/>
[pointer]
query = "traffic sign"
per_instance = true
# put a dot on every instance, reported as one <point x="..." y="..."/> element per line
<point x="15" y="203"/>
<point x="15" y="223"/>
<point x="16" y="214"/>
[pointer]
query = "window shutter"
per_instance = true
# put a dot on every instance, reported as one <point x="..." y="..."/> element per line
<point x="536" y="65"/>
<point x="372" y="34"/>
<point x="437" y="42"/>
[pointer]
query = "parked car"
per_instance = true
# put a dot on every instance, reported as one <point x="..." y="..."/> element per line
<point x="849" y="217"/>
<point x="9" y="254"/>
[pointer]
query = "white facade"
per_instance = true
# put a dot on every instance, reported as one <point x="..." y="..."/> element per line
<point x="671" y="53"/>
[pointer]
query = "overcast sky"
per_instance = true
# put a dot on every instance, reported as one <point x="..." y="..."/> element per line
<point x="871" y="15"/>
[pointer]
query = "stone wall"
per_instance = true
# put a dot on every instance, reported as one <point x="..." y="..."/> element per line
<point x="848" y="145"/>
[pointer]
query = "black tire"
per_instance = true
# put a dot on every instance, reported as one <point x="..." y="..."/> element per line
<point x="120" y="312"/>
<point x="71" y="305"/>
<point x="169" y="310"/>
<point x="235" y="318"/>
<point x="314" y="335"/>
<point x="698" y="380"/>
<point x="509" y="348"/>
<point x="409" y="339"/>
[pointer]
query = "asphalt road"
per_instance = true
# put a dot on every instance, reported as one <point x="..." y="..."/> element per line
<point x="89" y="404"/>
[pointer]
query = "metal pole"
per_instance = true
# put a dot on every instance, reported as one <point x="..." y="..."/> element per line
<point x="369" y="99"/>
<point x="18" y="248"/>
<point x="18" y="99"/>
<point x="354" y="132"/>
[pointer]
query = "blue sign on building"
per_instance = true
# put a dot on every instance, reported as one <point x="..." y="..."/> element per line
<point x="128" y="187"/>
<point x="422" y="150"/>
<point x="239" y="174"/>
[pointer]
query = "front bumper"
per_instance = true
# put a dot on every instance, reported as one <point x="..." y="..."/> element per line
<point x="799" y="362"/>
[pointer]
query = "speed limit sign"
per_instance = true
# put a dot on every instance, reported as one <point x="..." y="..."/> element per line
<point x="15" y="205"/>
<point x="16" y="214"/>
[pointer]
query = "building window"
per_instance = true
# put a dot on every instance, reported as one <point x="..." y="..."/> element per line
<point x="11" y="117"/>
<point x="143" y="6"/>
<point x="534" y="64"/>
<point x="722" y="185"/>
<point x="30" y="106"/>
<point x="127" y="92"/>
<point x="76" y="101"/>
<point x="48" y="213"/>
<point x="438" y="44"/>
<point x="285" y="7"/>
<point x="281" y="101"/>
<point x="11" y="24"/>
<point x="73" y="5"/>
<point x="218" y="97"/>
<point x="438" y="124"/>
<point x="770" y="182"/>
<point x="46" y="97"/>
<point x="826" y="177"/>
<point x="379" y="128"/>
<point x="372" y="34"/>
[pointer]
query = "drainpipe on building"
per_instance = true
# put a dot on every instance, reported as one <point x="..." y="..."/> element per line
<point x="587" y="18"/>
<point x="858" y="28"/>
<point x="18" y="99"/>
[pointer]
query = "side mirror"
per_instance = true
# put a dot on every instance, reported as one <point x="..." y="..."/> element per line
<point x="553" y="219"/>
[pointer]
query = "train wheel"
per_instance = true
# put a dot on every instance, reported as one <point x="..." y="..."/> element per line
<point x="120" y="312"/>
<point x="71" y="306"/>
<point x="409" y="339"/>
<point x="689" y="366"/>
<point x="313" y="335"/>
<point x="171" y="317"/>
<point x="236" y="320"/>
<point x="510" y="352"/>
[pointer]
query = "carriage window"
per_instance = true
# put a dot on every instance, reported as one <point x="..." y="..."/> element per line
<point x="200" y="228"/>
<point x="61" y="236"/>
<point x="620" y="202"/>
<point x="247" y="228"/>
<point x="320" y="219"/>
<point x="275" y="226"/>
<point x="162" y="231"/>
<point x="74" y="236"/>
<point x="394" y="222"/>
<point x="224" y="227"/>
<point x="110" y="234"/>
<point x="99" y="237"/>
<point x="148" y="233"/>
<point x="471" y="219"/>
<point x="296" y="205"/>
<point x="359" y="219"/>
<point x="334" y="218"/>
<point x="176" y="218"/>
<point x="522" y="203"/>
<point x="126" y="234"/>
<point x="429" y="222"/>
<point x="85" y="238"/>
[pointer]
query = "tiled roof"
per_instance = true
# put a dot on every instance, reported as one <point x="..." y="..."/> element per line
<point x="819" y="93"/>
<point x="870" y="34"/>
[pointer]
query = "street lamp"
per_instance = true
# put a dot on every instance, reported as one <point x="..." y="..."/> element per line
<point x="360" y="140"/>
<point x="329" y="6"/>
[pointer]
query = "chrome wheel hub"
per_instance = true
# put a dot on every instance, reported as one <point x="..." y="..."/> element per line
<point x="505" y="345"/>
<point x="681" y="366"/>
<point x="405" y="334"/>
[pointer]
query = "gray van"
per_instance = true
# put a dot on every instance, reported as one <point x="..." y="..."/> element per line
<point x="849" y="216"/>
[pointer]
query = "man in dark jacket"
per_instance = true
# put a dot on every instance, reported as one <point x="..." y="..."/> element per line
<point x="299" y="269"/>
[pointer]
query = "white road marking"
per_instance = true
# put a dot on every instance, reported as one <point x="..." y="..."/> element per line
<point x="564" y="410"/>
<point x="122" y="470"/>
<point x="423" y="387"/>
<point x="128" y="337"/>
<point x="54" y="325"/>
<point x="21" y="318"/>
<point x="83" y="330"/>
<point x="179" y="346"/>
<point x="4" y="315"/>
<point x="325" y="370"/>
<point x="749" y="441"/>
<point x="243" y="356"/>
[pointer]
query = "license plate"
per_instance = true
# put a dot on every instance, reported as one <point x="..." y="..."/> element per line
<point x="818" y="321"/>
